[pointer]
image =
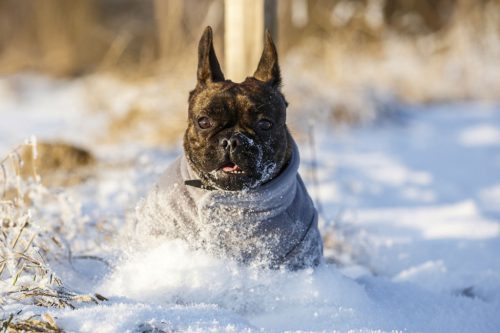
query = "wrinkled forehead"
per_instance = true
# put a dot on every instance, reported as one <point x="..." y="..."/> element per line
<point x="241" y="96"/>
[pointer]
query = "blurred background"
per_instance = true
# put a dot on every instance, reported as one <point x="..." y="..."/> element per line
<point x="395" y="105"/>
<point x="344" y="60"/>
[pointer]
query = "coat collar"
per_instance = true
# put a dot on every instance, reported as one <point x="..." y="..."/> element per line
<point x="265" y="201"/>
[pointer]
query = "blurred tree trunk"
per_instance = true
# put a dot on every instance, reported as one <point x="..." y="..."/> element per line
<point x="285" y="26"/>
<point x="169" y="15"/>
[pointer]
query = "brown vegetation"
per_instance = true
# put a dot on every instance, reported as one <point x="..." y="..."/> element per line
<point x="81" y="36"/>
<point x="57" y="163"/>
<point x="28" y="241"/>
<point x="361" y="51"/>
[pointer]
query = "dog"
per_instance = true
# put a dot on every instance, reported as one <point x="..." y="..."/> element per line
<point x="236" y="192"/>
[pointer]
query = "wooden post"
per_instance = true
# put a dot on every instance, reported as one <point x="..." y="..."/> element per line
<point x="244" y="24"/>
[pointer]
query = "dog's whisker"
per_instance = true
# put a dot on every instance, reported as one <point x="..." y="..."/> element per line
<point x="262" y="105"/>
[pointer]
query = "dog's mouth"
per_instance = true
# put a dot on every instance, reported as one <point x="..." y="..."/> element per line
<point x="231" y="168"/>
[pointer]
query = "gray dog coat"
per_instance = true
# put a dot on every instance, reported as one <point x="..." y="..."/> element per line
<point x="274" y="225"/>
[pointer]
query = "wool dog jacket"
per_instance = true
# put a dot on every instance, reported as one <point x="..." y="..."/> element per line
<point x="272" y="225"/>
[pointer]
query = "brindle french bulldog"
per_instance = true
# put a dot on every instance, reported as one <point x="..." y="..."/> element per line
<point x="235" y="192"/>
<point x="237" y="136"/>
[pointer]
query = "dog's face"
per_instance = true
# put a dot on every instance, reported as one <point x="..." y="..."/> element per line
<point x="236" y="137"/>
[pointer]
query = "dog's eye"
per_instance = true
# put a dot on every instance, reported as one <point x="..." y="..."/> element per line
<point x="264" y="124"/>
<point x="204" y="122"/>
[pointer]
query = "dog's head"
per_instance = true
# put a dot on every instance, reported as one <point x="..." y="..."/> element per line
<point x="236" y="136"/>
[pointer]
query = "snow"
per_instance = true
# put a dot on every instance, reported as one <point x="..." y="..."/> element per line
<point x="489" y="198"/>
<point x="484" y="134"/>
<point x="413" y="201"/>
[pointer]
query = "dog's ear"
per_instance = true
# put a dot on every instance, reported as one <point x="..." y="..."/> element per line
<point x="208" y="65"/>
<point x="268" y="70"/>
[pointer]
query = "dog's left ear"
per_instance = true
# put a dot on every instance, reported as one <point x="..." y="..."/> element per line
<point x="268" y="69"/>
<point x="208" y="65"/>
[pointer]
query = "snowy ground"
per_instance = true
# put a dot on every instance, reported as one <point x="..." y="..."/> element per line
<point x="413" y="201"/>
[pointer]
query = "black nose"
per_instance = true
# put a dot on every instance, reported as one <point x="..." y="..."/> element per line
<point x="231" y="144"/>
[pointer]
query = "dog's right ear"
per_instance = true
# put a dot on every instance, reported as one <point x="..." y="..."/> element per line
<point x="208" y="66"/>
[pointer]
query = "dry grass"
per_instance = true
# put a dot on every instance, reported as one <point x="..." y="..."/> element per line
<point x="352" y="67"/>
<point x="57" y="163"/>
<point x="352" y="41"/>
<point x="83" y="36"/>
<point x="140" y="124"/>
<point x="27" y="247"/>
<point x="344" y="62"/>
<point x="46" y="324"/>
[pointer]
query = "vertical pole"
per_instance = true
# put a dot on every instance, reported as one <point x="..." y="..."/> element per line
<point x="243" y="37"/>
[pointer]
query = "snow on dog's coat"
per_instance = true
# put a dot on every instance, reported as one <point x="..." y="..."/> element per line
<point x="272" y="225"/>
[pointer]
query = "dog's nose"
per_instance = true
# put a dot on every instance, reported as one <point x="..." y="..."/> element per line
<point x="231" y="144"/>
